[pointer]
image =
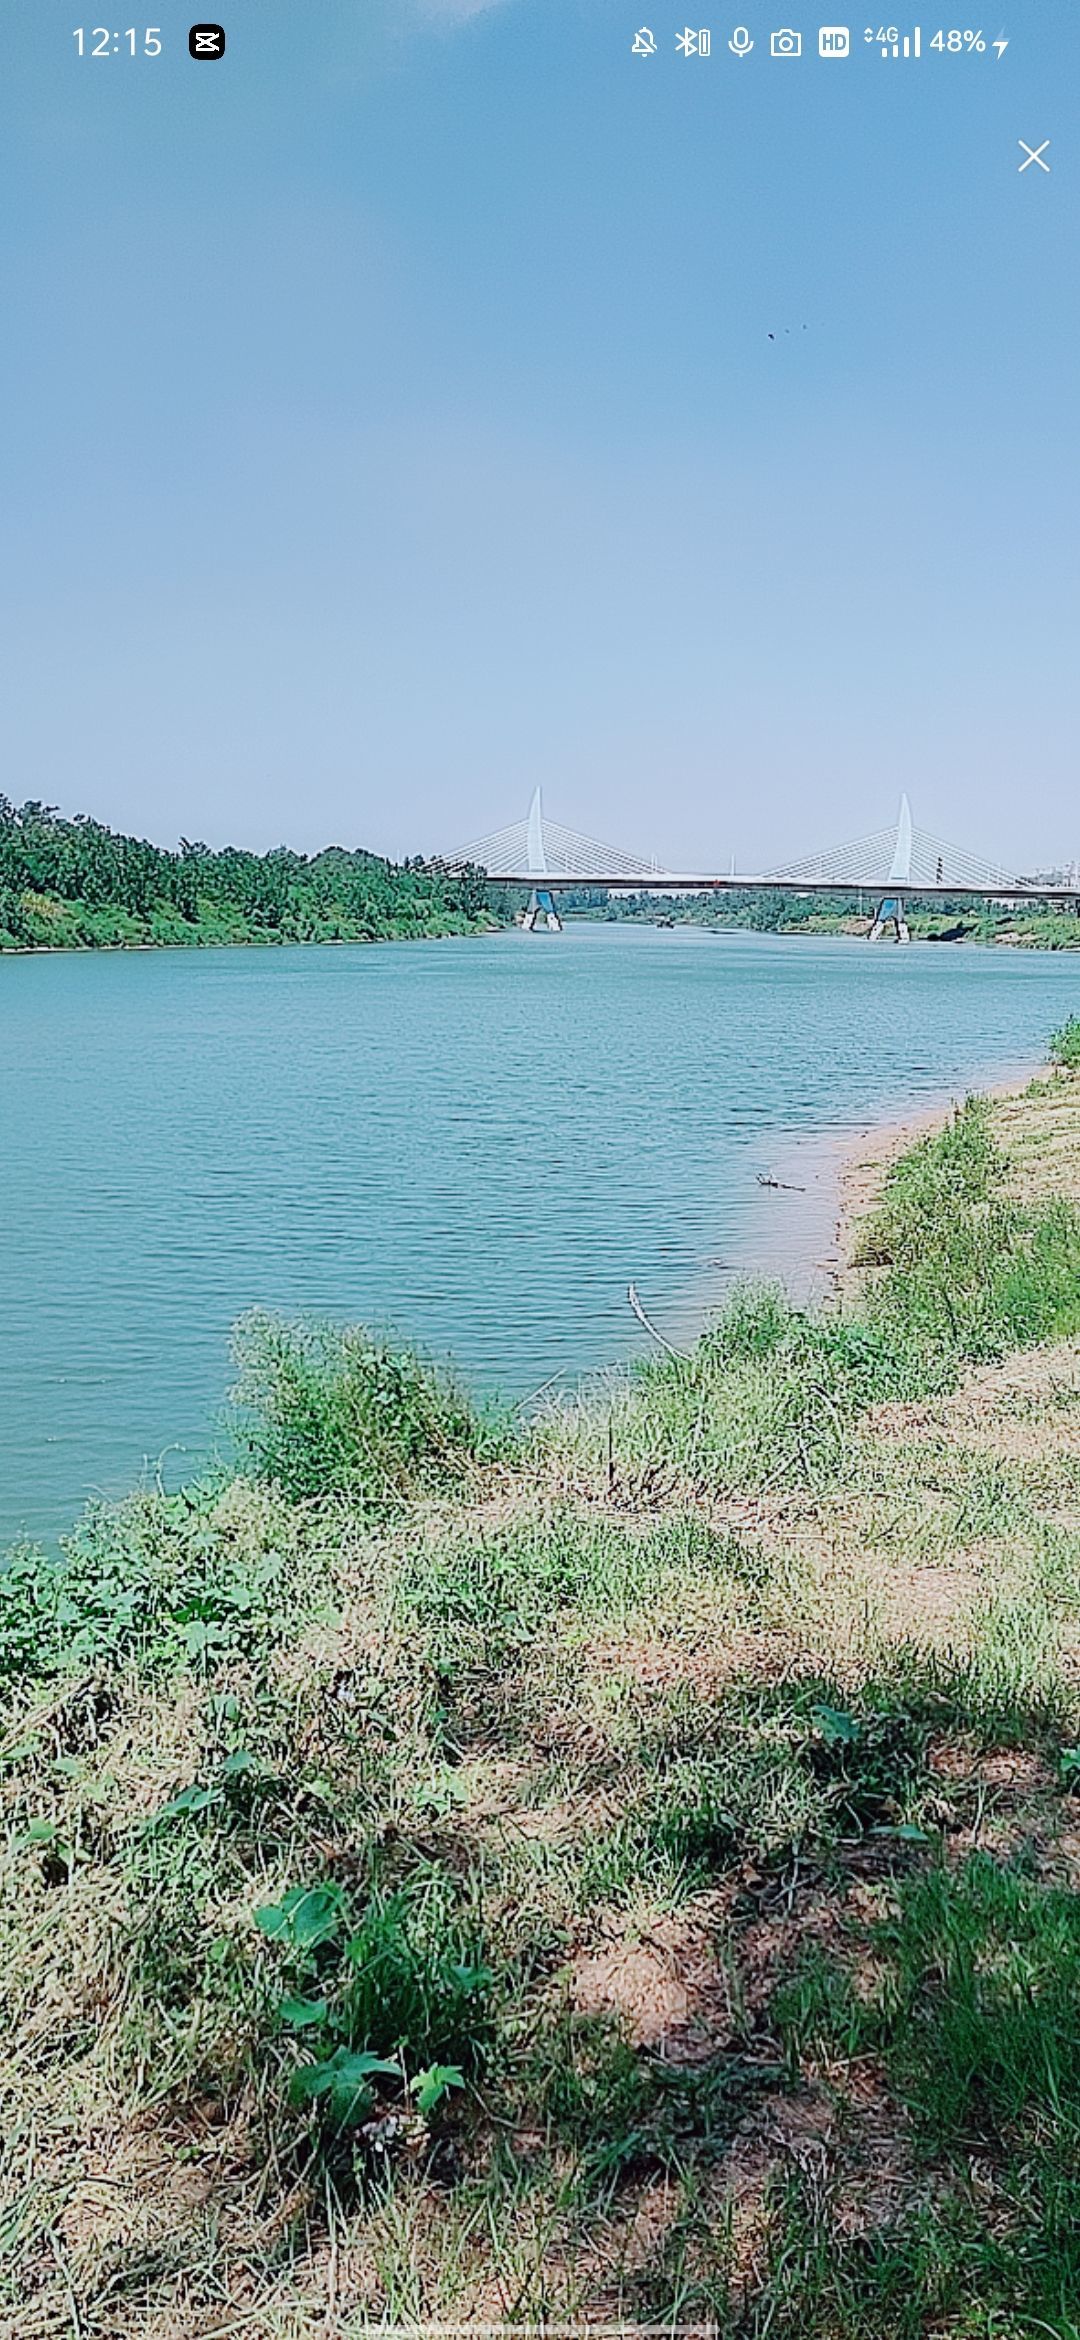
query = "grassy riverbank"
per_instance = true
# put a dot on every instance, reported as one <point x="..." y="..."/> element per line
<point x="1034" y="927"/>
<point x="76" y="885"/>
<point x="621" y="1867"/>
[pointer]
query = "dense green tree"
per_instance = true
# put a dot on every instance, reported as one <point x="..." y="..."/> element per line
<point x="78" y="883"/>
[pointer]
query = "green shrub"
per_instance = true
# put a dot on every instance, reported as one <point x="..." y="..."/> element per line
<point x="198" y="1578"/>
<point x="399" y="1998"/>
<point x="1065" y="1045"/>
<point x="334" y="1411"/>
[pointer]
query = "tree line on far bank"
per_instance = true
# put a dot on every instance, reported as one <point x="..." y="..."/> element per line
<point x="77" y="884"/>
<point x="932" y="918"/>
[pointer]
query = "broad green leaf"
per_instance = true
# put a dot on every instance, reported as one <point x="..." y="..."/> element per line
<point x="473" y="1978"/>
<point x="305" y="1916"/>
<point x="837" y="1728"/>
<point x="299" y="2014"/>
<point x="44" y="1836"/>
<point x="199" y="1636"/>
<point x="431" y="2086"/>
<point x="344" y="2083"/>
<point x="351" y="2093"/>
<point x="190" y="1799"/>
<point x="310" y="2081"/>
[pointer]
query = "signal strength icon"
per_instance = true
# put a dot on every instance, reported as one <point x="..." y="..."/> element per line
<point x="905" y="44"/>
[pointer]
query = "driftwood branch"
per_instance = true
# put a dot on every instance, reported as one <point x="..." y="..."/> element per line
<point x="784" y="1184"/>
<point x="531" y="1396"/>
<point x="639" y="1312"/>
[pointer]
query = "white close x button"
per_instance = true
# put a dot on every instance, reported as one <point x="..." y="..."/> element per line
<point x="1034" y="154"/>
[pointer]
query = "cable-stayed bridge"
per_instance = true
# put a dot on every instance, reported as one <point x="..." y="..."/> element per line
<point x="889" y="864"/>
<point x="540" y="848"/>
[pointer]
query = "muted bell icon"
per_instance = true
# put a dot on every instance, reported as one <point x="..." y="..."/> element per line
<point x="741" y="41"/>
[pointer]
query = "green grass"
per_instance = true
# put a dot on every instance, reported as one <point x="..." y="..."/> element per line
<point x="976" y="2019"/>
<point x="341" y="1799"/>
<point x="971" y="1272"/>
<point x="981" y="2010"/>
<point x="323" y="1410"/>
<point x="960" y="1273"/>
<point x="1065" y="1045"/>
<point x="486" y="1598"/>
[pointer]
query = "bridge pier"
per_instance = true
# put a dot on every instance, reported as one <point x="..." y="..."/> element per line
<point x="890" y="913"/>
<point x="542" y="904"/>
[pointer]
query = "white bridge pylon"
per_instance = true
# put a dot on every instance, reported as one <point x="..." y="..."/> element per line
<point x="902" y="856"/>
<point x="540" y="848"/>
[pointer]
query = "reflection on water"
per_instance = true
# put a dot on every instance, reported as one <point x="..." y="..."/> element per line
<point x="477" y="1142"/>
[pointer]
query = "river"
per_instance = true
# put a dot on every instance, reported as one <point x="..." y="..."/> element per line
<point x="478" y="1143"/>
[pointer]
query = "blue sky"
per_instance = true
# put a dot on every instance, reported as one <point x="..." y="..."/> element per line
<point x="391" y="423"/>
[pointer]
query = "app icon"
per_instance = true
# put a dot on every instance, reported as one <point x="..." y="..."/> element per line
<point x="786" y="43"/>
<point x="741" y="41"/>
<point x="694" y="44"/>
<point x="834" y="40"/>
<point x="206" y="40"/>
<point x="643" y="44"/>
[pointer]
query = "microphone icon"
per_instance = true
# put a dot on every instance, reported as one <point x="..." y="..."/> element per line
<point x="740" y="41"/>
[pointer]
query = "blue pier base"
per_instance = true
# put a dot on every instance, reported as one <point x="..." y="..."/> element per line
<point x="542" y="905"/>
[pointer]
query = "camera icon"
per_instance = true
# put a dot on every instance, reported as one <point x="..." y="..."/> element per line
<point x="786" y="43"/>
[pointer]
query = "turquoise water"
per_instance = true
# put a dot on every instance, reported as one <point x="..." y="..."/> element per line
<point x="478" y="1142"/>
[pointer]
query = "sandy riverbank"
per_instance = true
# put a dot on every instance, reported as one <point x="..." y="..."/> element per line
<point x="859" y="1165"/>
<point x="866" y="1161"/>
<point x="813" y="1189"/>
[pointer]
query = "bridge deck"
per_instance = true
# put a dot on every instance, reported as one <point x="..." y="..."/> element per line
<point x="667" y="882"/>
<point x="898" y="859"/>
